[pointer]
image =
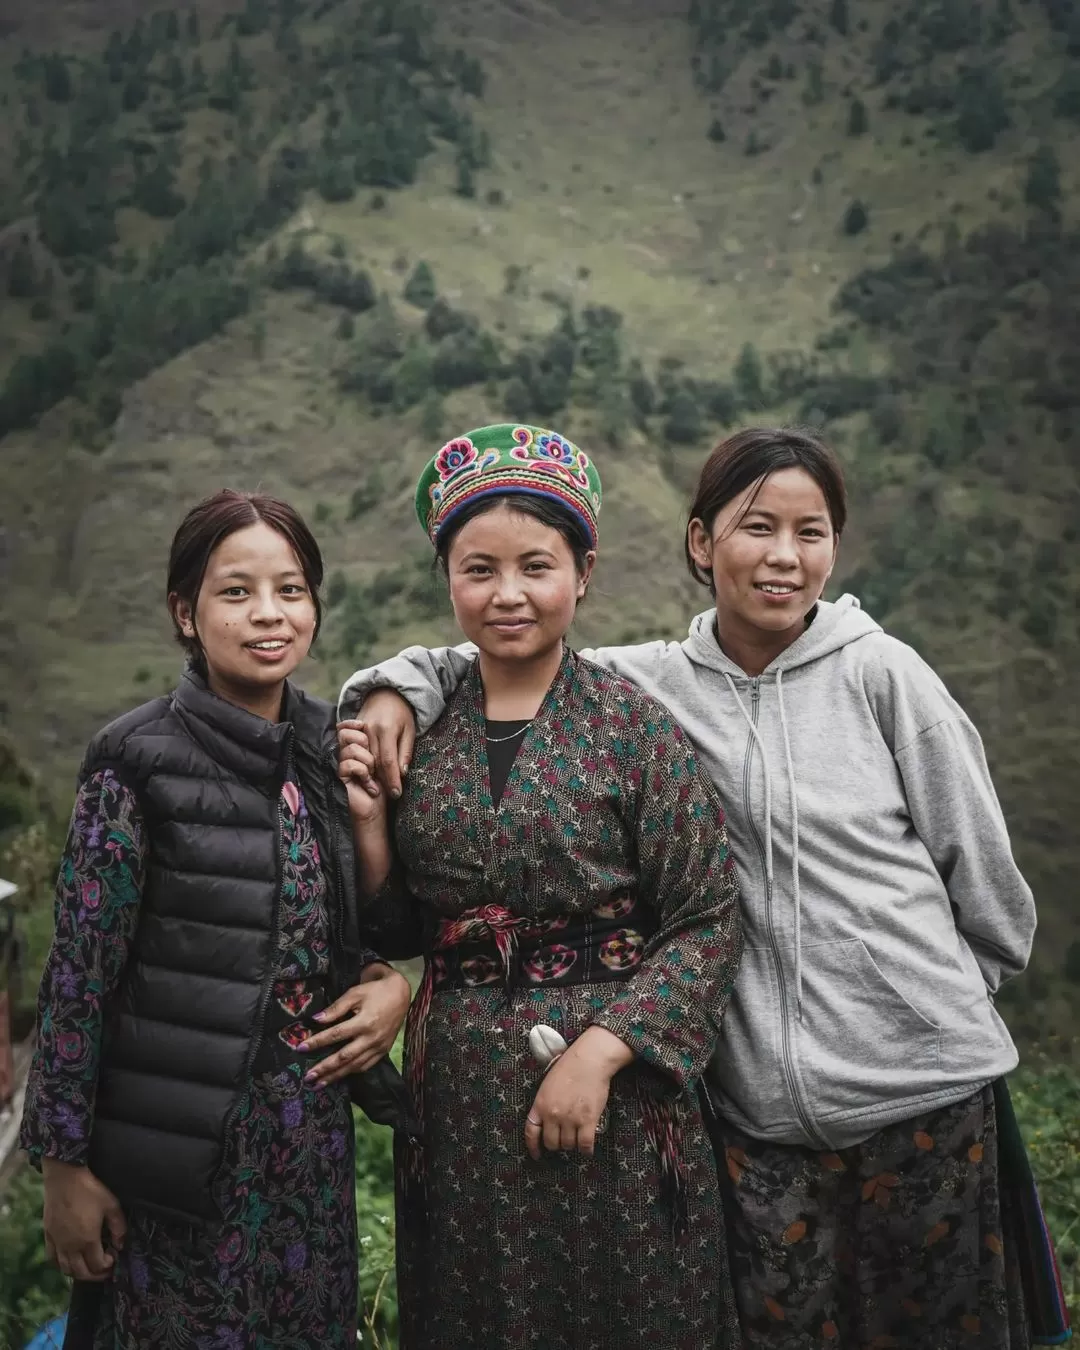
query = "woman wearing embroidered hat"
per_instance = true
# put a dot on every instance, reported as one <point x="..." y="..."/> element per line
<point x="563" y="866"/>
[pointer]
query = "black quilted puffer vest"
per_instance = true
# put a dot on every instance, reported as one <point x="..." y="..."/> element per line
<point x="182" y="1032"/>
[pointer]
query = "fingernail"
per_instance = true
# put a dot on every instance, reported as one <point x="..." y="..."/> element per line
<point x="405" y="767"/>
<point x="311" y="1076"/>
<point x="320" y="1016"/>
<point x="395" y="793"/>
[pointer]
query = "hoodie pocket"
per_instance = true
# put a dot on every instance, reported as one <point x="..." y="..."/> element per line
<point x="861" y="1040"/>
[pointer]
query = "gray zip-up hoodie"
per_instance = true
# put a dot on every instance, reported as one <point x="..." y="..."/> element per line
<point x="882" y="906"/>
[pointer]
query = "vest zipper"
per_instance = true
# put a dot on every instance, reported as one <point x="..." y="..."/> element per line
<point x="774" y="947"/>
<point x="268" y="983"/>
<point x="342" y="850"/>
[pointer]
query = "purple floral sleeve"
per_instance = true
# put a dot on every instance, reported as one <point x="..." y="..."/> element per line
<point x="97" y="907"/>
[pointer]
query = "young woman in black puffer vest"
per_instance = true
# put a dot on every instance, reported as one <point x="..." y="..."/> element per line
<point x="197" y="1154"/>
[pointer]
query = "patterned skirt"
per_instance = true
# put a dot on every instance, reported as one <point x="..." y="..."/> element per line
<point x="281" y="1271"/>
<point x="899" y="1242"/>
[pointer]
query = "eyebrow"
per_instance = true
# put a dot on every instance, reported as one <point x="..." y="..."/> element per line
<point x="476" y="556"/>
<point x="815" y="518"/>
<point x="247" y="576"/>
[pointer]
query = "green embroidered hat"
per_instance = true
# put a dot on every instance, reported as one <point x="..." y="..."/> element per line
<point x="507" y="458"/>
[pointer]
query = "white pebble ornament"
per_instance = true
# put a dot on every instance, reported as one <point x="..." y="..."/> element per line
<point x="546" y="1045"/>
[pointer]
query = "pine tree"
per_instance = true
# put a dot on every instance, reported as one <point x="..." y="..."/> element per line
<point x="1043" y="187"/>
<point x="983" y="113"/>
<point x="22" y="278"/>
<point x="857" y="119"/>
<point x="466" y="180"/>
<point x="135" y="92"/>
<point x="58" y="87"/>
<point x="749" y="377"/>
<point x="420" y="289"/>
<point x="336" y="181"/>
<point x="84" y="290"/>
<point x="114" y="57"/>
<point x="642" y="394"/>
<point x="155" y="192"/>
<point x="432" y="417"/>
<point x="814" y="93"/>
<point x="174" y="76"/>
<point x="135" y="47"/>
<point x="838" y="16"/>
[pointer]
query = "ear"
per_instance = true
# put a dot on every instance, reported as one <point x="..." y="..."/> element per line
<point x="181" y="612"/>
<point x="585" y="576"/>
<point x="700" y="544"/>
<point x="835" y="552"/>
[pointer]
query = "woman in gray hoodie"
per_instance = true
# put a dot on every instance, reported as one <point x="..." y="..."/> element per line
<point x="882" y="910"/>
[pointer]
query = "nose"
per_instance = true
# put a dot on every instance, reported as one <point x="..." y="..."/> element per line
<point x="783" y="550"/>
<point x="266" y="607"/>
<point x="509" y="592"/>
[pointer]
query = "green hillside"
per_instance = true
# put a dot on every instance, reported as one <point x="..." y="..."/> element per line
<point x="290" y="243"/>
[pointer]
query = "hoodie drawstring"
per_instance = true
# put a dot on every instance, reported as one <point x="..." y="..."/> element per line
<point x="797" y="894"/>
<point x="796" y="891"/>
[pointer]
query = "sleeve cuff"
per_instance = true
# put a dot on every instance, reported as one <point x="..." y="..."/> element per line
<point x="682" y="1057"/>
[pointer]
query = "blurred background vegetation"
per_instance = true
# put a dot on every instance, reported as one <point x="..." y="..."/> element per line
<point x="291" y="243"/>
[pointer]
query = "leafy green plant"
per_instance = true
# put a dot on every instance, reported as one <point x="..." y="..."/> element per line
<point x="1046" y="1096"/>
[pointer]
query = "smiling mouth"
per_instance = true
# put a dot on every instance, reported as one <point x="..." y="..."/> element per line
<point x="268" y="644"/>
<point x="776" y="587"/>
<point x="511" y="623"/>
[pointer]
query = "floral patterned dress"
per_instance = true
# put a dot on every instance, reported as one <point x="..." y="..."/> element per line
<point x="281" y="1273"/>
<point x="604" y="819"/>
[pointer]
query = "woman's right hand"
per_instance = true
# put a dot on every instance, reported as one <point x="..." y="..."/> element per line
<point x="356" y="768"/>
<point x="78" y="1208"/>
<point x="391" y="729"/>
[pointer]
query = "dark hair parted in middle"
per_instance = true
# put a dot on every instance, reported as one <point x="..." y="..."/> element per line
<point x="209" y="523"/>
<point x="748" y="457"/>
<point x="544" y="509"/>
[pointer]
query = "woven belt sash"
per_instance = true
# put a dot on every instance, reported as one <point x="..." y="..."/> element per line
<point x="491" y="945"/>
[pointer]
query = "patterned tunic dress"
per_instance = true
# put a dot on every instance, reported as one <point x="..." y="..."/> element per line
<point x="604" y="819"/>
<point x="281" y="1273"/>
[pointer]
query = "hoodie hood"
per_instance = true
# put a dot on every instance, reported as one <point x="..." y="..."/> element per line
<point x="835" y="624"/>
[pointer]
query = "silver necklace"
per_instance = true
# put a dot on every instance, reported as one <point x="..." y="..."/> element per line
<point x="498" y="740"/>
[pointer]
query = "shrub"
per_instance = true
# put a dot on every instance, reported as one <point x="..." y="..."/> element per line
<point x="414" y="375"/>
<point x="684" y="423"/>
<point x="464" y="358"/>
<point x="856" y="218"/>
<point x="443" y="320"/>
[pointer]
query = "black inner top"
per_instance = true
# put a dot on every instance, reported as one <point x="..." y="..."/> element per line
<point x="502" y="753"/>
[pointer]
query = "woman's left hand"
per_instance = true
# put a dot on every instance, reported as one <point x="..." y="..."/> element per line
<point x="572" y="1097"/>
<point x="368" y="1017"/>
